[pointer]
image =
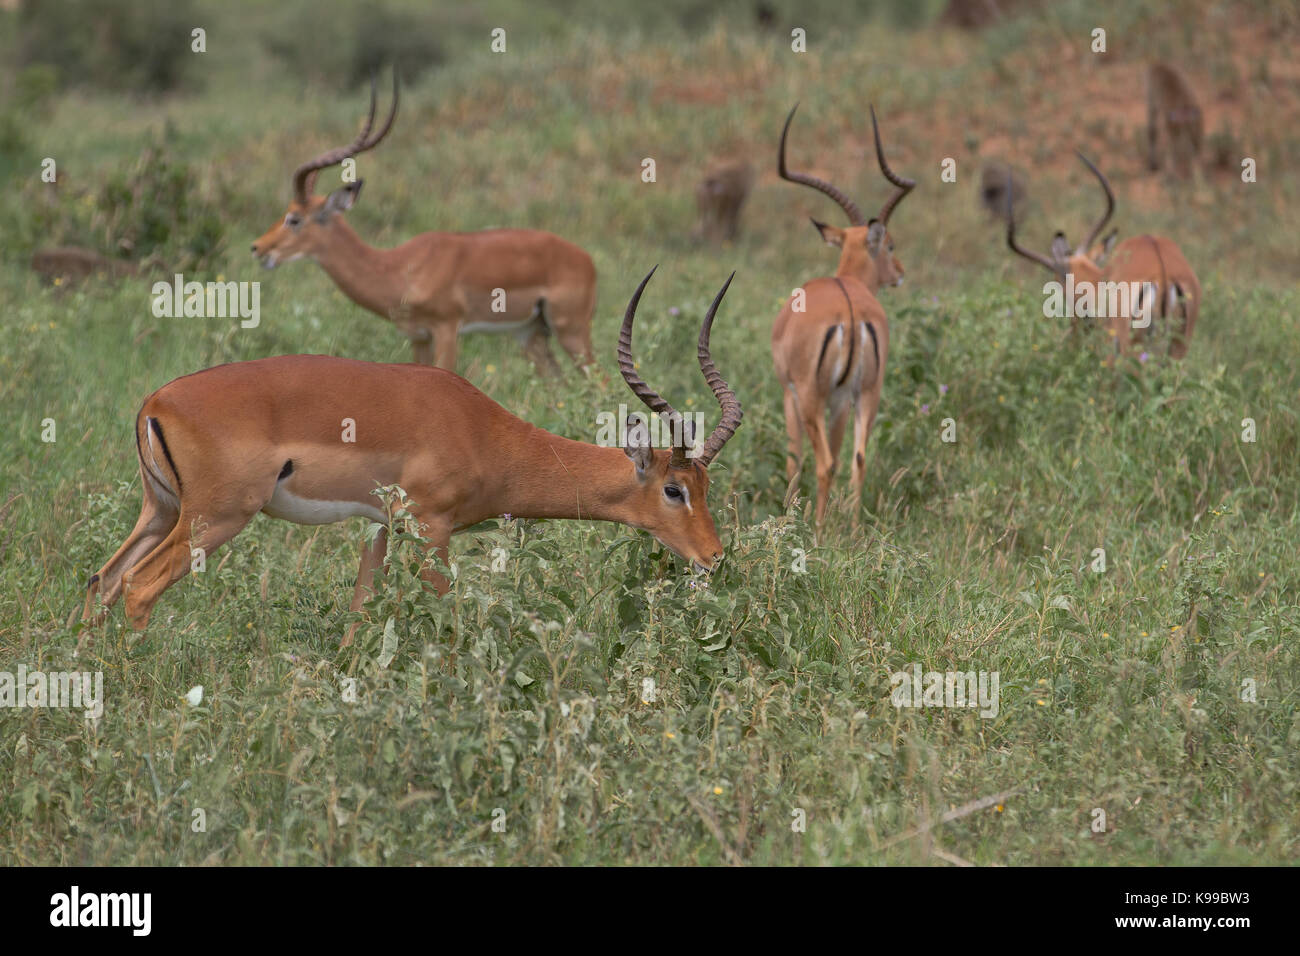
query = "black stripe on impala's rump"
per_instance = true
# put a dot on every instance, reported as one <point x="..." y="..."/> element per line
<point x="286" y="471"/>
<point x="825" y="344"/>
<point x="167" y="452"/>
<point x="875" y="344"/>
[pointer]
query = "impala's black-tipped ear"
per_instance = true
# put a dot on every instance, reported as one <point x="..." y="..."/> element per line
<point x="637" y="446"/>
<point x="1060" y="248"/>
<point x="341" y="199"/>
<point x="875" y="236"/>
<point x="830" y="235"/>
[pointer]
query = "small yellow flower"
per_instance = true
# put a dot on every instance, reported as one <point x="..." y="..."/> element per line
<point x="1105" y="633"/>
<point x="1261" y="574"/>
<point x="1144" y="633"/>
<point x="998" y="808"/>
<point x="717" y="790"/>
<point x="670" y="735"/>
<point x="1042" y="703"/>
<point x="1002" y="398"/>
<point x="559" y="404"/>
<point x="58" y="280"/>
<point x="491" y="369"/>
<point x="1176" y="627"/>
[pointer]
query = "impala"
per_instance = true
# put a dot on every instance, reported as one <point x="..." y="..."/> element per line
<point x="218" y="446"/>
<point x="830" y="341"/>
<point x="440" y="284"/>
<point x="1153" y="264"/>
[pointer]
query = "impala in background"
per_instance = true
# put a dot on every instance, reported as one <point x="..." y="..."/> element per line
<point x="440" y="284"/>
<point x="1150" y="263"/>
<point x="830" y="341"/>
<point x="218" y="446"/>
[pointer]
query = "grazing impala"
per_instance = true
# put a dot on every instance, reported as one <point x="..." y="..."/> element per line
<point x="270" y="435"/>
<point x="1153" y="266"/>
<point x="440" y="284"/>
<point x="830" y="341"/>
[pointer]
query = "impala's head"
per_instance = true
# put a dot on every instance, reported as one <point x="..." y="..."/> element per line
<point x="1087" y="260"/>
<point x="672" y="485"/>
<point x="866" y="247"/>
<point x="304" y="230"/>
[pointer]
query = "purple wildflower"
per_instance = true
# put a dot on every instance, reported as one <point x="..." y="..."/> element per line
<point x="1143" y="357"/>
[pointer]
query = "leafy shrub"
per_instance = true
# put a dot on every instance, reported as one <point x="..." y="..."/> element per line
<point x="336" y="52"/>
<point x="158" y="212"/>
<point x="142" y="46"/>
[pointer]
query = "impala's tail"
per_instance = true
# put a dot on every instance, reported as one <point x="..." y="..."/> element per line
<point x="156" y="462"/>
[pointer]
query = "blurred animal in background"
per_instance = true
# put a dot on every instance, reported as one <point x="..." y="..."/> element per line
<point x="70" y="263"/>
<point x="1002" y="190"/>
<point x="721" y="197"/>
<point x="977" y="14"/>
<point x="1175" y="127"/>
<point x="1128" y="286"/>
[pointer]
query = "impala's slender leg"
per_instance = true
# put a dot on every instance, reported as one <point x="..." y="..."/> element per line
<point x="863" y="419"/>
<point x="569" y="316"/>
<point x="437" y="531"/>
<point x="157" y="518"/>
<point x="372" y="557"/>
<point x="839" y="422"/>
<point x="446" y="344"/>
<point x="170" y="561"/>
<point x="537" y="345"/>
<point x="794" y="450"/>
<point x="1178" y="340"/>
<point x="422" y="347"/>
<point x="815" y="427"/>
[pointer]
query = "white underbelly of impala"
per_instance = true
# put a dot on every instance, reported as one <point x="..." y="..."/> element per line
<point x="284" y="504"/>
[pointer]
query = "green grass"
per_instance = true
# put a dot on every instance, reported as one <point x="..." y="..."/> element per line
<point x="522" y="691"/>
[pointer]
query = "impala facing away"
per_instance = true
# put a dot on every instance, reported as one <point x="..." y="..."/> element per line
<point x="440" y="284"/>
<point x="831" y="354"/>
<point x="270" y="435"/>
<point x="1153" y="264"/>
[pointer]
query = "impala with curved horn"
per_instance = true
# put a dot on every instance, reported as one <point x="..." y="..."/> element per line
<point x="1153" y="267"/>
<point x="440" y="284"/>
<point x="830" y="341"/>
<point x="308" y="438"/>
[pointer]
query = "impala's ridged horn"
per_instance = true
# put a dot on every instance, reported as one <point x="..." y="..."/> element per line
<point x="904" y="186"/>
<point x="848" y="205"/>
<point x="652" y="399"/>
<point x="1110" y="205"/>
<point x="304" y="177"/>
<point x="732" y="413"/>
<point x="1011" y="236"/>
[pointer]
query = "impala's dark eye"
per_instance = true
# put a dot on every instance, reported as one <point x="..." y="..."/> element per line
<point x="293" y="220"/>
<point x="673" y="493"/>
